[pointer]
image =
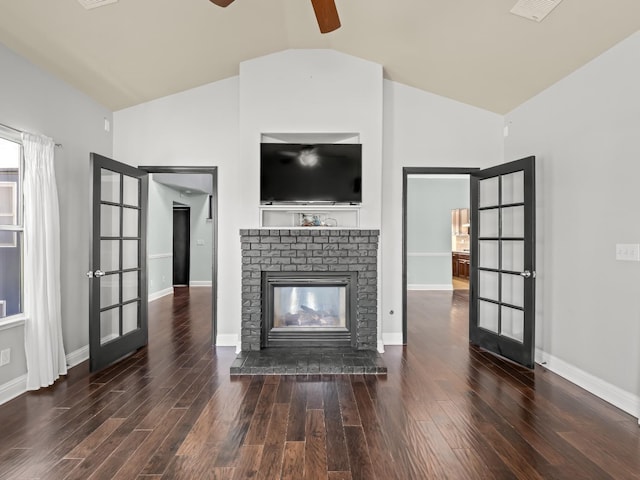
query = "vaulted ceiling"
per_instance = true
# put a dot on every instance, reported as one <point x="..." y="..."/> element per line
<point x="473" y="51"/>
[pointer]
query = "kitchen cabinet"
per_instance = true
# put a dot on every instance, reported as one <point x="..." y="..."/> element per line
<point x="460" y="264"/>
<point x="460" y="221"/>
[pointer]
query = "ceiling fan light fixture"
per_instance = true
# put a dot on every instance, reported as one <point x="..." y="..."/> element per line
<point x="327" y="15"/>
<point x="535" y="10"/>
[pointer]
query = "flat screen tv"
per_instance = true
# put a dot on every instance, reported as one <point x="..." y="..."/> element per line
<point x="303" y="173"/>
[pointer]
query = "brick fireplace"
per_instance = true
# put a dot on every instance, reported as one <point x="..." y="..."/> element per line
<point x="305" y="254"/>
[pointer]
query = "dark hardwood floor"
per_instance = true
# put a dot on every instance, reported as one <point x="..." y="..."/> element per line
<point x="445" y="410"/>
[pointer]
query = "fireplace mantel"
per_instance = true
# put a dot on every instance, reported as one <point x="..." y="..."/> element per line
<point x="310" y="250"/>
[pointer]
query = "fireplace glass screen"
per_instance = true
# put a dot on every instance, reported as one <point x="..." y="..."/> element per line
<point x="309" y="307"/>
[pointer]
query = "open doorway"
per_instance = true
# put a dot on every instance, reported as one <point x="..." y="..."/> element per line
<point x="181" y="244"/>
<point x="182" y="232"/>
<point x="436" y="234"/>
<point x="460" y="234"/>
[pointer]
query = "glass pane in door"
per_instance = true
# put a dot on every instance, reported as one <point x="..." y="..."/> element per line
<point x="489" y="256"/>
<point x="488" y="316"/>
<point x="109" y="221"/>
<point x="131" y="191"/>
<point x="129" y="286"/>
<point x="513" y="221"/>
<point x="489" y="192"/>
<point x="513" y="255"/>
<point x="130" y="222"/>
<point x="512" y="321"/>
<point x="109" y="325"/>
<point x="512" y="188"/>
<point x="130" y="254"/>
<point x="109" y="186"/>
<point x="489" y="223"/>
<point x="512" y="289"/>
<point x="110" y="290"/>
<point x="130" y="317"/>
<point x="109" y="255"/>
<point x="489" y="285"/>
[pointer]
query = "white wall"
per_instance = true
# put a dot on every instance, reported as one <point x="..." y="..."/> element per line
<point x="198" y="127"/>
<point x="424" y="130"/>
<point x="585" y="132"/>
<point x="34" y="100"/>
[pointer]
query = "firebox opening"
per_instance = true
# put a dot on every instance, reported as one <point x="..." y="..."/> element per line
<point x="308" y="309"/>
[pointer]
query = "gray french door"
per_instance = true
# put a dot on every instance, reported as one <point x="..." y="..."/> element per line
<point x="502" y="316"/>
<point x="117" y="275"/>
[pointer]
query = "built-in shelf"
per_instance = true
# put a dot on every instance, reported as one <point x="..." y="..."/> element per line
<point x="341" y="216"/>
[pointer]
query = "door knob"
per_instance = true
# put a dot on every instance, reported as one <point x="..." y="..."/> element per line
<point x="97" y="273"/>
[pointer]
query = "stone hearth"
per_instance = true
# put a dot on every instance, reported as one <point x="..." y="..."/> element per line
<point x="308" y="361"/>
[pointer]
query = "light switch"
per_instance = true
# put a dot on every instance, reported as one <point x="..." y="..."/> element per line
<point x="629" y="252"/>
<point x="199" y="242"/>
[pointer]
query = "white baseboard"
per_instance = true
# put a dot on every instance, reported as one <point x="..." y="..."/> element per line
<point x="200" y="283"/>
<point x="626" y="401"/>
<point x="227" y="340"/>
<point x="392" y="338"/>
<point x="428" y="286"/>
<point x="18" y="386"/>
<point x="13" y="388"/>
<point x="77" y="356"/>
<point x="380" y="346"/>
<point x="156" y="256"/>
<point x="160" y="293"/>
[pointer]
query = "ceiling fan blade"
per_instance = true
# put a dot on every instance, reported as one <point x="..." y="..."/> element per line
<point x="327" y="15"/>
<point x="222" y="3"/>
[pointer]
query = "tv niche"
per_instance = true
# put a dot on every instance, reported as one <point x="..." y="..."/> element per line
<point x="311" y="173"/>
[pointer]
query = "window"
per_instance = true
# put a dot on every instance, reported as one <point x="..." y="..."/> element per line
<point x="11" y="227"/>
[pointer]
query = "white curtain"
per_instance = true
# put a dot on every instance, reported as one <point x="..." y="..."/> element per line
<point x="43" y="329"/>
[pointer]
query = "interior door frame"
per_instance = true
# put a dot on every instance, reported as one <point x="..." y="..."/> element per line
<point x="213" y="171"/>
<point x="406" y="171"/>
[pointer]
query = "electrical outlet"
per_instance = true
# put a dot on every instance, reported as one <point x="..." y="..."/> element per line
<point x="629" y="252"/>
<point x="5" y="357"/>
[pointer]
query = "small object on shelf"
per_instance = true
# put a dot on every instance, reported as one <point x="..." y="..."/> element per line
<point x="316" y="220"/>
<point x="310" y="220"/>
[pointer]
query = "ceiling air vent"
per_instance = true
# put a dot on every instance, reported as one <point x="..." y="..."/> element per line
<point x="534" y="9"/>
<point x="88" y="4"/>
